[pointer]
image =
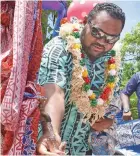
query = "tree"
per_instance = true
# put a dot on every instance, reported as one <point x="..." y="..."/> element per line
<point x="131" y="43"/>
<point x="131" y="62"/>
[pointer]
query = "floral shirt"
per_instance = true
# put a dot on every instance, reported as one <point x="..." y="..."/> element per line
<point x="56" y="67"/>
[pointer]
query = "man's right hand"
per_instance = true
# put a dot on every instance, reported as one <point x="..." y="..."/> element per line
<point x="47" y="146"/>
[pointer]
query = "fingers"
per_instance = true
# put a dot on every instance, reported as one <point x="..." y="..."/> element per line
<point x="43" y="151"/>
<point x="46" y="146"/>
<point x="62" y="146"/>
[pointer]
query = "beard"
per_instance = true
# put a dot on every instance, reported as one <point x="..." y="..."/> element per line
<point x="95" y="55"/>
<point x="88" y="49"/>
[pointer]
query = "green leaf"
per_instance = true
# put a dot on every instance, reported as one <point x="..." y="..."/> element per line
<point x="93" y="103"/>
<point x="86" y="87"/>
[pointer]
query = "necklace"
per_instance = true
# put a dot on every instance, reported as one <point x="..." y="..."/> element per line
<point x="91" y="104"/>
<point x="108" y="86"/>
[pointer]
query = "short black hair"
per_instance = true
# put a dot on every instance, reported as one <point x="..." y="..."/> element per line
<point x="112" y="9"/>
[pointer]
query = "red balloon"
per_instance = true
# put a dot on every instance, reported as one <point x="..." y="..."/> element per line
<point x="81" y="8"/>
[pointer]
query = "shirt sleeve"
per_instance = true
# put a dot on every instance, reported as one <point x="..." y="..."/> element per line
<point x="52" y="68"/>
<point x="131" y="86"/>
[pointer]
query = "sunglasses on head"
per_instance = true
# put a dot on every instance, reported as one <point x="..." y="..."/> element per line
<point x="98" y="33"/>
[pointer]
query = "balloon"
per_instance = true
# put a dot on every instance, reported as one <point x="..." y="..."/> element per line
<point x="81" y="8"/>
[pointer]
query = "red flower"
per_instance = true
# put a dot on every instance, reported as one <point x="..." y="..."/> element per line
<point x="104" y="96"/>
<point x="111" y="61"/>
<point x="107" y="90"/>
<point x="85" y="20"/>
<point x="82" y="55"/>
<point x="75" y="29"/>
<point x="63" y="20"/>
<point x="81" y="22"/>
<point x="87" y="80"/>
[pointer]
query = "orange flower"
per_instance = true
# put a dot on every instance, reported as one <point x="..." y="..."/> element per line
<point x="85" y="73"/>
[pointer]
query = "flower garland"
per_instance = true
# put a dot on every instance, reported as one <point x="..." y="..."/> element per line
<point x="91" y="105"/>
<point x="108" y="87"/>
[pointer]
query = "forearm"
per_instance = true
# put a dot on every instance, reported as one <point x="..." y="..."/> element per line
<point x="54" y="107"/>
<point x="125" y="101"/>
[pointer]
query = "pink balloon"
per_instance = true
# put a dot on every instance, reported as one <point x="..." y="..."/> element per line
<point x="81" y="8"/>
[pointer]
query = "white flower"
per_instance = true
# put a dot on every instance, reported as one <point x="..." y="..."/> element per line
<point x="80" y="76"/>
<point x="100" y="101"/>
<point x="66" y="29"/>
<point x="76" y="26"/>
<point x="70" y="39"/>
<point x="84" y="68"/>
<point x="77" y="40"/>
<point x="112" y="72"/>
<point x="89" y="92"/>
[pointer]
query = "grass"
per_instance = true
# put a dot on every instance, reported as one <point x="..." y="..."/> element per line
<point x="133" y="106"/>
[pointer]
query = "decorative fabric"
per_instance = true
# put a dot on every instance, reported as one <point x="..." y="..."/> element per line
<point x="103" y="143"/>
<point x="20" y="116"/>
<point x="128" y="135"/>
<point x="6" y="56"/>
<point x="17" y="80"/>
<point x="60" y="7"/>
<point x="56" y="67"/>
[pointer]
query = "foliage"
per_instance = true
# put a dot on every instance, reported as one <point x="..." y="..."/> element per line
<point x="131" y="43"/>
<point x="131" y="62"/>
<point x="48" y="20"/>
<point x="133" y="105"/>
<point x="128" y="70"/>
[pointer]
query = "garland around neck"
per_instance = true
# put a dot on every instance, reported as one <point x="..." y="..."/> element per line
<point x="91" y="105"/>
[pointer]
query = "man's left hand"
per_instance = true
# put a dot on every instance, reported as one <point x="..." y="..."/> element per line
<point x="102" y="124"/>
<point x="127" y="116"/>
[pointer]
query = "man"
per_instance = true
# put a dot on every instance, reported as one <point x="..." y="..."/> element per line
<point x="132" y="86"/>
<point x="104" y="25"/>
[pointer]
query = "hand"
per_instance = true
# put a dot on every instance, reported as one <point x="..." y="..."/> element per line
<point x="127" y="116"/>
<point x="46" y="146"/>
<point x="102" y="124"/>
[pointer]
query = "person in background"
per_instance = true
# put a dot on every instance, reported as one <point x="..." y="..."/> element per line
<point x="132" y="86"/>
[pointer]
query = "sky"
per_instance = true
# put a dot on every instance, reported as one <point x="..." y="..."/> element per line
<point x="132" y="12"/>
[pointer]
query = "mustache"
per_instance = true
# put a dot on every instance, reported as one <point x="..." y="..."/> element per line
<point x="97" y="44"/>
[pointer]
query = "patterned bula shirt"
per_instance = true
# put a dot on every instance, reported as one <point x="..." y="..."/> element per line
<point x="56" y="67"/>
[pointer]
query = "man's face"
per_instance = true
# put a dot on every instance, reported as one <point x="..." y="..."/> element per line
<point x="100" y="35"/>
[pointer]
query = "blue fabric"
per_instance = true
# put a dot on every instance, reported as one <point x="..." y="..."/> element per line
<point x="128" y="133"/>
<point x="128" y="137"/>
<point x="119" y="117"/>
<point x="135" y="148"/>
<point x="60" y="7"/>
